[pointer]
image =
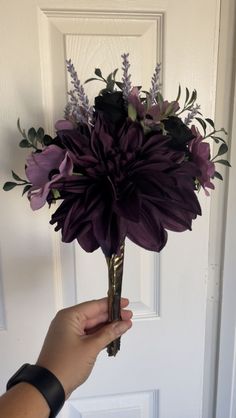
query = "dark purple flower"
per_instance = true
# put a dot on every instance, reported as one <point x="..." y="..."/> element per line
<point x="127" y="184"/>
<point x="200" y="154"/>
<point x="43" y="168"/>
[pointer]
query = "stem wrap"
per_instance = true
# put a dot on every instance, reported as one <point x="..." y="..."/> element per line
<point x="115" y="265"/>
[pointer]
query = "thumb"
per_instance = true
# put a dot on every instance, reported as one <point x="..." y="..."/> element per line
<point x="110" y="332"/>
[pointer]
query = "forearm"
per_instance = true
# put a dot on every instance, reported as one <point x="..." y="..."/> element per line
<point x="23" y="401"/>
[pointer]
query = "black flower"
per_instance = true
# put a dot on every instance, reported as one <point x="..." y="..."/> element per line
<point x="179" y="132"/>
<point x="112" y="108"/>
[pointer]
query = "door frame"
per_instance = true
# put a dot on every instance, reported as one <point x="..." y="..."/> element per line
<point x="219" y="286"/>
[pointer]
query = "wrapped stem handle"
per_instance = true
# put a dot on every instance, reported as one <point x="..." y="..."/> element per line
<point x="115" y="265"/>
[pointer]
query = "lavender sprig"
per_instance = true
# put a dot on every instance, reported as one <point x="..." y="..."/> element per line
<point x="84" y="111"/>
<point x="126" y="88"/>
<point x="155" y="84"/>
<point x="192" y="114"/>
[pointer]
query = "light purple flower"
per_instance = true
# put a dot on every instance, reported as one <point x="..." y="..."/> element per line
<point x="200" y="155"/>
<point x="43" y="168"/>
<point x="63" y="124"/>
<point x="134" y="99"/>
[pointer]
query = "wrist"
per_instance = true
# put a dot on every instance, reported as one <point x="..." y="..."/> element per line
<point x="45" y="382"/>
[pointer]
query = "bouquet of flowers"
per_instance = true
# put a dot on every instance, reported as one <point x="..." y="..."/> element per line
<point x="127" y="166"/>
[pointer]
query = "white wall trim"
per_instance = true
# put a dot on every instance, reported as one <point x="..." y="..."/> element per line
<point x="223" y="117"/>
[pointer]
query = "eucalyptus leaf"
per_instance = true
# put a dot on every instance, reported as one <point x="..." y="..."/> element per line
<point x="24" y="143"/>
<point x="179" y="94"/>
<point x="223" y="149"/>
<point x="224" y="162"/>
<point x="109" y="78"/>
<point x="187" y="96"/>
<point x="110" y="85"/>
<point x="114" y="73"/>
<point x="210" y="121"/>
<point x="202" y="123"/>
<point x="26" y="189"/>
<point x="193" y="96"/>
<point x="218" y="175"/>
<point x="31" y="134"/>
<point x="15" y="176"/>
<point x="40" y="135"/>
<point x="9" y="185"/>
<point x="119" y="84"/>
<point x="98" y="72"/>
<point x="217" y="139"/>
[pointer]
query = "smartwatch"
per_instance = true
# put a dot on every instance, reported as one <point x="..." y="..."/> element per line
<point x="46" y="383"/>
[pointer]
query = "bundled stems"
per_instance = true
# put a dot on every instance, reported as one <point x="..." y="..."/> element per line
<point x="115" y="265"/>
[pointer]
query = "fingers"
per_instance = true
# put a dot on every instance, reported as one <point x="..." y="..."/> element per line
<point x="95" y="308"/>
<point x="109" y="333"/>
<point x="103" y="318"/>
<point x="126" y="314"/>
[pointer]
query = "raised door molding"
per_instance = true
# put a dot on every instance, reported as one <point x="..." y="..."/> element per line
<point x="129" y="405"/>
<point x="89" y="38"/>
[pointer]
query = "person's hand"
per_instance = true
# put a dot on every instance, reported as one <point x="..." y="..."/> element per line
<point x="75" y="338"/>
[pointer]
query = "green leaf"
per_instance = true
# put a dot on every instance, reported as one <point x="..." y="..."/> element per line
<point x="110" y="85"/>
<point x="187" y="95"/>
<point x="9" y="185"/>
<point x="26" y="188"/>
<point x="211" y="122"/>
<point x="24" y="143"/>
<point x="169" y="109"/>
<point x="114" y="73"/>
<point x="31" y="134"/>
<point x="202" y="123"/>
<point x="15" y="176"/>
<point x="224" y="162"/>
<point x="179" y="94"/>
<point x="218" y="175"/>
<point x="223" y="149"/>
<point x="217" y="139"/>
<point x="40" y="135"/>
<point x="98" y="72"/>
<point x="56" y="193"/>
<point x="119" y="84"/>
<point x="193" y="96"/>
<point x="159" y="98"/>
<point x="109" y="78"/>
<point x="132" y="113"/>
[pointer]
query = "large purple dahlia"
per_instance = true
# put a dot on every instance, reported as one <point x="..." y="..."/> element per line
<point x="124" y="184"/>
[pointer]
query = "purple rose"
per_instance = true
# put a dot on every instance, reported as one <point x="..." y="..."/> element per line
<point x="43" y="168"/>
<point x="200" y="155"/>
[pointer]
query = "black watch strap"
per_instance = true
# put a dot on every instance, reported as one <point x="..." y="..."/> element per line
<point x="45" y="381"/>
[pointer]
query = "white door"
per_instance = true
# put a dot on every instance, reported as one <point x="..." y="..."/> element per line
<point x="162" y="367"/>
